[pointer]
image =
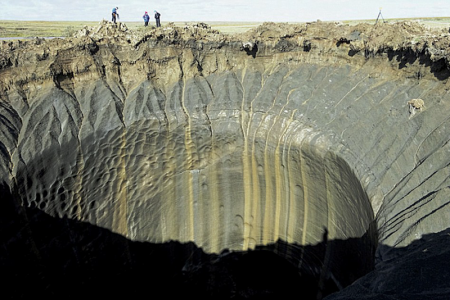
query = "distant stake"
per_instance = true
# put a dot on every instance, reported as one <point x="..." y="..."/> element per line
<point x="380" y="15"/>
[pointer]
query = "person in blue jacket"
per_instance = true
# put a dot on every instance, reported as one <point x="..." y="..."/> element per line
<point x="115" y="15"/>
<point x="146" y="18"/>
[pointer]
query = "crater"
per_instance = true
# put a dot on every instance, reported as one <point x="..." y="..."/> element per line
<point x="298" y="201"/>
<point x="180" y="161"/>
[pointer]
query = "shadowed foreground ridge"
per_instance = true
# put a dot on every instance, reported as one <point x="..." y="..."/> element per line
<point x="282" y="162"/>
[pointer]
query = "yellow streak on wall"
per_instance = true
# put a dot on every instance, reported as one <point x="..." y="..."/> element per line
<point x="292" y="202"/>
<point x="268" y="205"/>
<point x="256" y="197"/>
<point x="189" y="145"/>
<point x="250" y="179"/>
<point x="304" y="178"/>
<point x="280" y="186"/>
<point x="278" y="197"/>
<point x="247" y="178"/>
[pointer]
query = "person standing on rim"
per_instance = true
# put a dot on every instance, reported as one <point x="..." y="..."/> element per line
<point x="146" y="18"/>
<point x="157" y="15"/>
<point x="114" y="14"/>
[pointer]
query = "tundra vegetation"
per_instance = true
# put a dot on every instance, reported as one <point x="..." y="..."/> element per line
<point x="10" y="29"/>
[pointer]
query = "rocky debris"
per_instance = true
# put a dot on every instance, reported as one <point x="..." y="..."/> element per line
<point x="403" y="38"/>
<point x="104" y="29"/>
<point x="169" y="33"/>
<point x="118" y="32"/>
<point x="194" y="34"/>
<point x="415" y="104"/>
<point x="425" y="51"/>
<point x="271" y="31"/>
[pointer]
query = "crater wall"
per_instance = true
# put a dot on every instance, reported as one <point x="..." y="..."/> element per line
<point x="300" y="134"/>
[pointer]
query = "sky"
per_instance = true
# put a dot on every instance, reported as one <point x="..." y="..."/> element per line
<point x="222" y="10"/>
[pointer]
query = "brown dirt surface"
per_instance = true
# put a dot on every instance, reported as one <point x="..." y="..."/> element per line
<point x="364" y="36"/>
<point x="355" y="43"/>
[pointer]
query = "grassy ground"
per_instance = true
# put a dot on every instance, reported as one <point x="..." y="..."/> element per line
<point x="24" y="29"/>
<point x="66" y="28"/>
<point x="440" y="22"/>
<point x="40" y="28"/>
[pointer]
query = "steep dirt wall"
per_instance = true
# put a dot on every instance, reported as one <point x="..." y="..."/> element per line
<point x="293" y="134"/>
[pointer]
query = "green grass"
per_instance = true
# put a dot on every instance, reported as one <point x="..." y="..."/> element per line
<point x="40" y="28"/>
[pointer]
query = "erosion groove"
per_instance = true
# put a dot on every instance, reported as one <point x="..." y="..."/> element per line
<point x="283" y="161"/>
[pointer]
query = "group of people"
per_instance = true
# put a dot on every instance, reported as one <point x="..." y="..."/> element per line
<point x="146" y="17"/>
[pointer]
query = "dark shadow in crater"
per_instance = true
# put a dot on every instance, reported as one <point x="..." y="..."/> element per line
<point x="416" y="272"/>
<point x="252" y="50"/>
<point x="59" y="258"/>
<point x="407" y="57"/>
<point x="403" y="57"/>
<point x="351" y="52"/>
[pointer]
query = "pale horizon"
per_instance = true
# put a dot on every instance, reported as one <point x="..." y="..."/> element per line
<point x="223" y="10"/>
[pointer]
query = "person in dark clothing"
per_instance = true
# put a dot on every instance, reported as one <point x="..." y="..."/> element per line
<point x="157" y="15"/>
<point x="115" y="15"/>
<point x="146" y="18"/>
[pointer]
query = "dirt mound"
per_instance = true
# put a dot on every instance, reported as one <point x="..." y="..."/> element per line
<point x="120" y="33"/>
<point x="104" y="30"/>
<point x="371" y="37"/>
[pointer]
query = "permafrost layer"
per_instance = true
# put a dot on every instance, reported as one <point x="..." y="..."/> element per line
<point x="300" y="134"/>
